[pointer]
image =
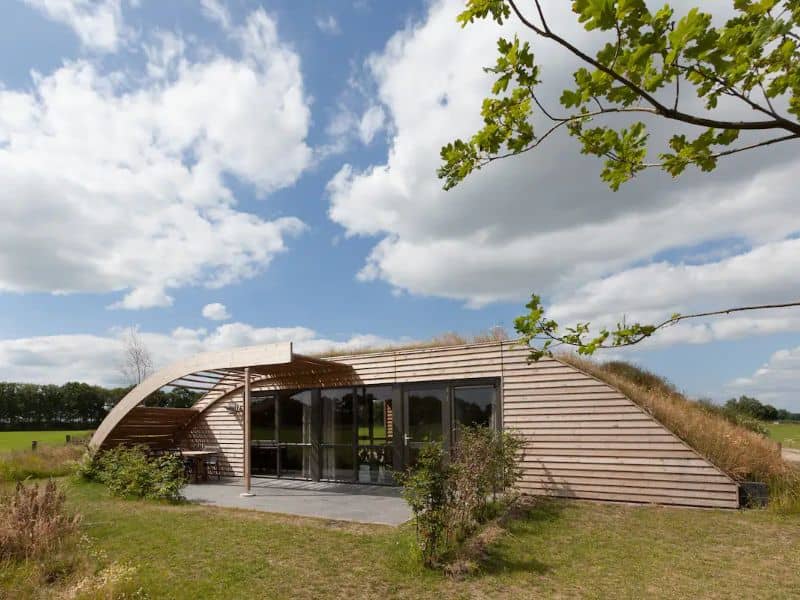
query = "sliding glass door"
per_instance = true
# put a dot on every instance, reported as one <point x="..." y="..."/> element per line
<point x="338" y="433"/>
<point x="425" y="417"/>
<point x="375" y="453"/>
<point x="263" y="435"/>
<point x="281" y="434"/>
<point x="294" y="435"/>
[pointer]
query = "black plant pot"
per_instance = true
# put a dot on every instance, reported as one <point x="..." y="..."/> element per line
<point x="753" y="494"/>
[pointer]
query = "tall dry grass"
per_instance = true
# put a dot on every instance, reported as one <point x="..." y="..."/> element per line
<point x="449" y="338"/>
<point x="45" y="461"/>
<point x="743" y="454"/>
<point x="34" y="522"/>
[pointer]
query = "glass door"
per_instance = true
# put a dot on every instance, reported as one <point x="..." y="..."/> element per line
<point x="338" y="433"/>
<point x="280" y="434"/>
<point x="263" y="435"/>
<point x="426" y="412"/>
<point x="375" y="458"/>
<point x="294" y="435"/>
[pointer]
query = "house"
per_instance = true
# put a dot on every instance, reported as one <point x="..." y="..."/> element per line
<point x="356" y="418"/>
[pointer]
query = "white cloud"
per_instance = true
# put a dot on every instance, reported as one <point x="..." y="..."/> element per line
<point x="372" y="121"/>
<point x="216" y="312"/>
<point x="96" y="358"/>
<point x="544" y="221"/>
<point x="216" y="11"/>
<point x="777" y="382"/>
<point x="110" y="182"/>
<point x="661" y="289"/>
<point x="165" y="54"/>
<point x="328" y="25"/>
<point x="98" y="23"/>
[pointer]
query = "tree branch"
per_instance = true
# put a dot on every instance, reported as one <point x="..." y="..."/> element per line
<point x="666" y="112"/>
<point x="559" y="123"/>
<point x="671" y="321"/>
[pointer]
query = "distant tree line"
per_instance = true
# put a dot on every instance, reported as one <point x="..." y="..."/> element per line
<point x="753" y="407"/>
<point x="73" y="405"/>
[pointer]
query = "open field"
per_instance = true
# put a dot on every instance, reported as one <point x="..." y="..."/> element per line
<point x="787" y="433"/>
<point x="561" y="548"/>
<point x="21" y="440"/>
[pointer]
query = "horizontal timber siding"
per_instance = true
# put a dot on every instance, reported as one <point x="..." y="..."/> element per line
<point x="585" y="439"/>
<point x="217" y="426"/>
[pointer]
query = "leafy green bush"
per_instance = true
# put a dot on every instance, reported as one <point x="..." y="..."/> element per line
<point x="425" y="488"/>
<point x="129" y="472"/>
<point x="451" y="498"/>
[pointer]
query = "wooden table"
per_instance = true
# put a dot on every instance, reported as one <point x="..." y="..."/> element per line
<point x="198" y="457"/>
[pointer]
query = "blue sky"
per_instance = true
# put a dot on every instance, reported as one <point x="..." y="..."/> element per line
<point x="279" y="158"/>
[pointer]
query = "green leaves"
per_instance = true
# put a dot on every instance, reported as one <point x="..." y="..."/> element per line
<point x="697" y="151"/>
<point x="480" y="9"/>
<point x="652" y="63"/>
<point x="506" y="115"/>
<point x="542" y="335"/>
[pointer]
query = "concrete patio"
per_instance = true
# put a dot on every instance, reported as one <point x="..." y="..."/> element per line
<point x="337" y="501"/>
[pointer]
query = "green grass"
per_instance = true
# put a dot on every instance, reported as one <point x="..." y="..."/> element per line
<point x="21" y="440"/>
<point x="787" y="433"/>
<point x="559" y="549"/>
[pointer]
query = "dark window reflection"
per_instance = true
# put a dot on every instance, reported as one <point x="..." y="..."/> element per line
<point x="295" y="418"/>
<point x="474" y="406"/>
<point x="262" y="411"/>
<point x="425" y="413"/>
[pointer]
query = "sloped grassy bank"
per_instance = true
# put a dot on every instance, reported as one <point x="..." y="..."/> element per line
<point x="743" y="454"/>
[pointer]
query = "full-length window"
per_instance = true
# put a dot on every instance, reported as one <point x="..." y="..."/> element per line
<point x="281" y="434"/>
<point x="294" y="435"/>
<point x="425" y="417"/>
<point x="375" y="434"/>
<point x="338" y="430"/>
<point x="264" y="441"/>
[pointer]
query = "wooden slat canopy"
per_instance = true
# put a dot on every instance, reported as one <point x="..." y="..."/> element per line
<point x="155" y="427"/>
<point x="216" y="374"/>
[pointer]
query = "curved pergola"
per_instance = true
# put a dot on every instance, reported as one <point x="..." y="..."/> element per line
<point x="215" y="374"/>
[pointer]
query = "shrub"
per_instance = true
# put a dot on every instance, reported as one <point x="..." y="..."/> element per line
<point x="33" y="522"/>
<point x="451" y="498"/>
<point x="425" y="488"/>
<point x="129" y="472"/>
<point x="46" y="461"/>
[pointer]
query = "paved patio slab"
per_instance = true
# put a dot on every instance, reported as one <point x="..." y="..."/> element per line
<point x="338" y="501"/>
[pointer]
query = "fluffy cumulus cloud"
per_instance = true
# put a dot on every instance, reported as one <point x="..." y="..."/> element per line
<point x="97" y="358"/>
<point x="776" y="382"/>
<point x="97" y="23"/>
<point x="216" y="312"/>
<point x="119" y="181"/>
<point x="544" y="221"/>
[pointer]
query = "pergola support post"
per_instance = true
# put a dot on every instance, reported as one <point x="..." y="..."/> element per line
<point x="246" y="450"/>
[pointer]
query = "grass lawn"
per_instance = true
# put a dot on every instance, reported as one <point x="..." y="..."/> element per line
<point x="787" y="433"/>
<point x="21" y="440"/>
<point x="560" y="549"/>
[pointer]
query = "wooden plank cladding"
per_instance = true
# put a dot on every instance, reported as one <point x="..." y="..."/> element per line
<point x="155" y="427"/>
<point x="585" y="439"/>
